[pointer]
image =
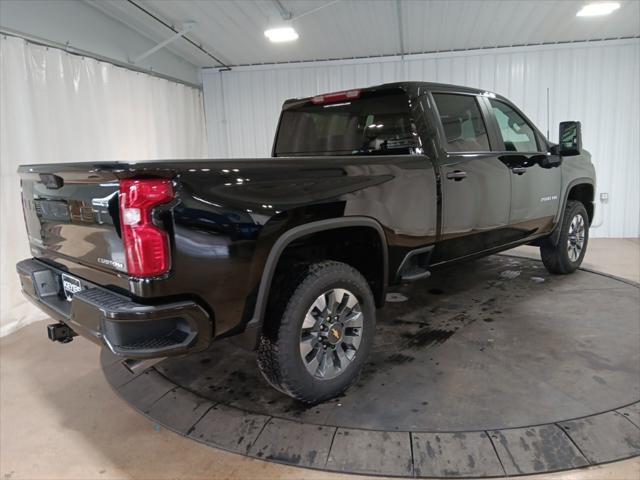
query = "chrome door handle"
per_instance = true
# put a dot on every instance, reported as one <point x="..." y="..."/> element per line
<point x="519" y="170"/>
<point x="457" y="175"/>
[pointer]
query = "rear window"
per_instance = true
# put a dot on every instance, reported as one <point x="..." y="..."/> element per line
<point x="374" y="124"/>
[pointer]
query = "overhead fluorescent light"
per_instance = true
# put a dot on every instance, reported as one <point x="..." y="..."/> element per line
<point x="595" y="9"/>
<point x="281" y="34"/>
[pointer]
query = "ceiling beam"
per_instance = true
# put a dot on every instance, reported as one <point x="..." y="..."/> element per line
<point x="288" y="14"/>
<point x="314" y="10"/>
<point x="187" y="27"/>
<point x="68" y="48"/>
<point x="400" y="29"/>
<point x="170" y="27"/>
<point x="284" y="13"/>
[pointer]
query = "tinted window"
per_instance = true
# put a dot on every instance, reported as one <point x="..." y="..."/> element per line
<point x="462" y="122"/>
<point x="517" y="135"/>
<point x="373" y="124"/>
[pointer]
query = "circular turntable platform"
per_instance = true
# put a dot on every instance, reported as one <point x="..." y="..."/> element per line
<point x="486" y="369"/>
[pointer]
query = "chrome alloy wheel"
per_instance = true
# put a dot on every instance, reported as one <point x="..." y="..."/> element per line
<point x="575" y="241"/>
<point x="331" y="333"/>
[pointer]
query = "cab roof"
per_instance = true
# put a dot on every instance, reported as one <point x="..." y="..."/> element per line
<point x="412" y="88"/>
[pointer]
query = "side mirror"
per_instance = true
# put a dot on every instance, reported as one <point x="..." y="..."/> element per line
<point x="548" y="161"/>
<point x="570" y="138"/>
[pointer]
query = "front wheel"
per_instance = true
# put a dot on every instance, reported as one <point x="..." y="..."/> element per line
<point x="322" y="323"/>
<point x="567" y="255"/>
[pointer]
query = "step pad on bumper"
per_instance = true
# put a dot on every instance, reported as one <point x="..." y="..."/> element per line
<point x="126" y="327"/>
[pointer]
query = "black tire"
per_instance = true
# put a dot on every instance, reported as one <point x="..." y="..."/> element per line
<point x="556" y="257"/>
<point x="279" y="356"/>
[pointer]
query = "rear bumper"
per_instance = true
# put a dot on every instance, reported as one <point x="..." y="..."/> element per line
<point x="127" y="328"/>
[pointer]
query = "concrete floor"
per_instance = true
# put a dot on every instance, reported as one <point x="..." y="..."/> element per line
<point x="60" y="419"/>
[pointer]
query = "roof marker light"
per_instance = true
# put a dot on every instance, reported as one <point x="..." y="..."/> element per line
<point x="335" y="97"/>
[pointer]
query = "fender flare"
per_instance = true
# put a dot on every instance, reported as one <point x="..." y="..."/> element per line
<point x="555" y="235"/>
<point x="254" y="326"/>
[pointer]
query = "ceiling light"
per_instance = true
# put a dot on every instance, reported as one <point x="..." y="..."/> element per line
<point x="281" y="34"/>
<point x="600" y="8"/>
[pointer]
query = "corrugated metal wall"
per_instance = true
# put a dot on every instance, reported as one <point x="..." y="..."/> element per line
<point x="597" y="83"/>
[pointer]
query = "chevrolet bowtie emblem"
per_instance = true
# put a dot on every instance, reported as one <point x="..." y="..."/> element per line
<point x="335" y="333"/>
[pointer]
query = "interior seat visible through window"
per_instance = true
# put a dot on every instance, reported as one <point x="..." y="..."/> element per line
<point x="462" y="123"/>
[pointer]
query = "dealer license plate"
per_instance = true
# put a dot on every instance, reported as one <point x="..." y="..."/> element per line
<point x="70" y="286"/>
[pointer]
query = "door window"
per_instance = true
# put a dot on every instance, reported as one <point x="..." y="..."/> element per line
<point x="517" y="134"/>
<point x="462" y="122"/>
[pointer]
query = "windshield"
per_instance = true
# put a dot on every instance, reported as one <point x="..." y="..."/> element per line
<point x="375" y="124"/>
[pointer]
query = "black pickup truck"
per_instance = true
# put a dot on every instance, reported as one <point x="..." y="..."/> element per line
<point x="292" y="254"/>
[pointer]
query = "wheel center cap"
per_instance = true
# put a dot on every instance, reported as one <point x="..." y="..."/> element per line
<point x="334" y="334"/>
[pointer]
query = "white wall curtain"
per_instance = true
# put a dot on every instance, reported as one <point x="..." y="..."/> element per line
<point x="58" y="107"/>
<point x="597" y="83"/>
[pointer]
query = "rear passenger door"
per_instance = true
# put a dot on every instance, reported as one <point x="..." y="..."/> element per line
<point x="475" y="183"/>
<point x="535" y="185"/>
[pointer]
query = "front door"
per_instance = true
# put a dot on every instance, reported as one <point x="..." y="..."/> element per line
<point x="475" y="183"/>
<point x="535" y="182"/>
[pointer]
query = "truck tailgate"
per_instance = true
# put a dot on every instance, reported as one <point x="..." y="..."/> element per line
<point x="74" y="216"/>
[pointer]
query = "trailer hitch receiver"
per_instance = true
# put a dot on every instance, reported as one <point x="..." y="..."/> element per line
<point x="60" y="332"/>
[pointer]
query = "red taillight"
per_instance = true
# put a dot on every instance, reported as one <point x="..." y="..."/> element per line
<point x="146" y="246"/>
<point x="336" y="97"/>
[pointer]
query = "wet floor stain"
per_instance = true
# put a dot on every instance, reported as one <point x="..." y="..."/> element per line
<point x="510" y="274"/>
<point x="423" y="340"/>
<point x="426" y="337"/>
<point x="399" y="358"/>
<point x="599" y="379"/>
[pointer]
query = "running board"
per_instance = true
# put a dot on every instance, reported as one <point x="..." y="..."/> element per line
<point x="414" y="273"/>
<point x="414" y="265"/>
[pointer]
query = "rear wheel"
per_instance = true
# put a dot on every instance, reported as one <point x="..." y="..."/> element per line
<point x="567" y="255"/>
<point x="322" y="324"/>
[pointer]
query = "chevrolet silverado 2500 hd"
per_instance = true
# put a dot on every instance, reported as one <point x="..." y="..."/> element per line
<point x="292" y="254"/>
